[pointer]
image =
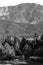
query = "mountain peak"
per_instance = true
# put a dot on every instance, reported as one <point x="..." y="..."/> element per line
<point x="22" y="13"/>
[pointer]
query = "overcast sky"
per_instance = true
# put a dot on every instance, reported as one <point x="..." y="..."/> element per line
<point x="16" y="2"/>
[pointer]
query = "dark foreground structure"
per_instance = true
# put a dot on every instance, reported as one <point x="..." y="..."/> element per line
<point x="16" y="51"/>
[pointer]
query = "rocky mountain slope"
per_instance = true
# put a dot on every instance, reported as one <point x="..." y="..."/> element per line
<point x="25" y="18"/>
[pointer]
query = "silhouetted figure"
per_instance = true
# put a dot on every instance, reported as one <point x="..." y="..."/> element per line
<point x="22" y="44"/>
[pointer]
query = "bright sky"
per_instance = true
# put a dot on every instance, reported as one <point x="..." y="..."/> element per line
<point x="16" y="2"/>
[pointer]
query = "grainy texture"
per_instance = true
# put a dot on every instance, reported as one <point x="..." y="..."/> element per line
<point x="24" y="19"/>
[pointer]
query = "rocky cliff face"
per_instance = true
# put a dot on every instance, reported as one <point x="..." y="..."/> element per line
<point x="4" y="13"/>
